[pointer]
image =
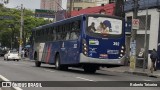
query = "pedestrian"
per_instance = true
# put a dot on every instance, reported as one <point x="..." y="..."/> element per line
<point x="92" y="28"/>
<point x="154" y="57"/>
<point x="22" y="53"/>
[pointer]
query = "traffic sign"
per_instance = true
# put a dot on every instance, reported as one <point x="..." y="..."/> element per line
<point x="45" y="13"/>
<point x="5" y="17"/>
<point x="135" y="23"/>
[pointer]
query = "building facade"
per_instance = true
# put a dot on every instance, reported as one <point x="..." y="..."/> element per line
<point x="82" y="4"/>
<point x="153" y="29"/>
<point x="55" y="5"/>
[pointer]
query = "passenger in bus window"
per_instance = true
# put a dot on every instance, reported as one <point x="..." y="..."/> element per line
<point x="92" y="28"/>
<point x="107" y="25"/>
<point x="73" y="36"/>
<point x="75" y="26"/>
<point x="75" y="31"/>
<point x="100" y="28"/>
<point x="67" y="36"/>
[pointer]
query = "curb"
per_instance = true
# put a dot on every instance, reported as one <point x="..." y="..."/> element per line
<point x="143" y="74"/>
<point x="135" y="73"/>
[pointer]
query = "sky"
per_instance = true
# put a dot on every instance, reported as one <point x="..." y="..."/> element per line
<point x="28" y="4"/>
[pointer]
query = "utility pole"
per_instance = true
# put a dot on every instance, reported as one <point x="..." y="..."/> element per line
<point x="70" y="8"/>
<point x="21" y="29"/>
<point x="145" y="40"/>
<point x="133" y="39"/>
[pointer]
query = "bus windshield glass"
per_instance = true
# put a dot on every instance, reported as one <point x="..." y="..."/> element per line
<point x="104" y="26"/>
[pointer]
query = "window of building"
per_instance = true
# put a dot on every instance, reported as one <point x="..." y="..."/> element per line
<point x="111" y="1"/>
<point x="77" y="8"/>
<point x="142" y="22"/>
<point x="129" y="18"/>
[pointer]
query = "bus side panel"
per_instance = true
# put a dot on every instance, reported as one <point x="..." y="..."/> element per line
<point x="41" y="50"/>
<point x="36" y="51"/>
<point x="50" y="50"/>
<point x="72" y="52"/>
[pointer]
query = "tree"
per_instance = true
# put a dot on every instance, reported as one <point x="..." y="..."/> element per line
<point x="10" y="25"/>
<point x="5" y="1"/>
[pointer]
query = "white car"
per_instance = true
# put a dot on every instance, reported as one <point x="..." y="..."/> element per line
<point x="12" y="55"/>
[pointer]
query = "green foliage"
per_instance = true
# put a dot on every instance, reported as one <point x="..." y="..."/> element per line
<point x="10" y="25"/>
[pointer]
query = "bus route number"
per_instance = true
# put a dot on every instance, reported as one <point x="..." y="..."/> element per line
<point x="115" y="43"/>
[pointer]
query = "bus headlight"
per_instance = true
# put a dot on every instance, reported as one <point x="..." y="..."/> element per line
<point x="122" y="51"/>
<point x="84" y="47"/>
<point x="85" y="53"/>
<point x="122" y="47"/>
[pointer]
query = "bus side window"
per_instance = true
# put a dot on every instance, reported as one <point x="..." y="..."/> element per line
<point x="46" y="34"/>
<point x="63" y="35"/>
<point x="58" y="33"/>
<point x="53" y="34"/>
<point x="67" y="30"/>
<point x="75" y="30"/>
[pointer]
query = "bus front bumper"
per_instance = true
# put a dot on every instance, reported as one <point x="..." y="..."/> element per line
<point x="89" y="60"/>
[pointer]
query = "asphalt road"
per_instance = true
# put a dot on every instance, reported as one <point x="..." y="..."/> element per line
<point x="26" y="71"/>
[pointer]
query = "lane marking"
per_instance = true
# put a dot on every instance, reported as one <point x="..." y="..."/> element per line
<point x="5" y="79"/>
<point x="48" y="70"/>
<point x="146" y="80"/>
<point x="84" y="79"/>
<point x="16" y="64"/>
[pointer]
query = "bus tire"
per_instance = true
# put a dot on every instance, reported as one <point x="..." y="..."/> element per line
<point x="37" y="63"/>
<point x="89" y="69"/>
<point x="57" y="62"/>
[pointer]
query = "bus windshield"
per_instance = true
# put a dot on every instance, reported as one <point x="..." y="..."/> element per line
<point x="104" y="26"/>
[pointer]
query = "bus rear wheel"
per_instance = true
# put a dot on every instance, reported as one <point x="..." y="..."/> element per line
<point x="89" y="69"/>
<point x="37" y="63"/>
<point x="57" y="63"/>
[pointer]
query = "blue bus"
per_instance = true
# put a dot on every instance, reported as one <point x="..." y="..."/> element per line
<point x="88" y="41"/>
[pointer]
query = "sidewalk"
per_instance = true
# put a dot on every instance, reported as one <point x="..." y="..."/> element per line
<point x="137" y="71"/>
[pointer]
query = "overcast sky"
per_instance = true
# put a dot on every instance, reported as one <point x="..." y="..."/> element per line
<point x="29" y="4"/>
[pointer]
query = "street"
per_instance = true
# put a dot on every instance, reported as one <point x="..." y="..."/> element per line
<point x="26" y="71"/>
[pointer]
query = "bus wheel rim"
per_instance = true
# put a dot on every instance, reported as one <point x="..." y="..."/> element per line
<point x="57" y="63"/>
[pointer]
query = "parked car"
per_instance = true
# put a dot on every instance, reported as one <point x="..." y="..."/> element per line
<point x="12" y="55"/>
<point x="2" y="52"/>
